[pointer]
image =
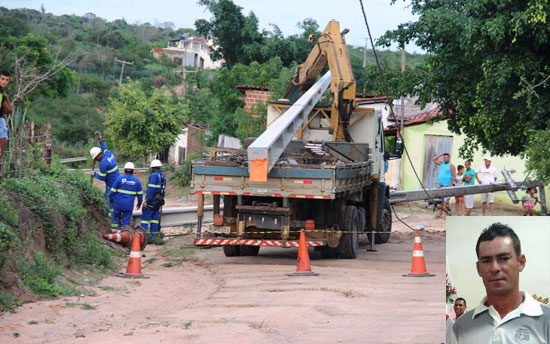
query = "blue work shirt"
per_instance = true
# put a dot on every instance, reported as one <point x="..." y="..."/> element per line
<point x="123" y="192"/>
<point x="108" y="168"/>
<point x="157" y="183"/>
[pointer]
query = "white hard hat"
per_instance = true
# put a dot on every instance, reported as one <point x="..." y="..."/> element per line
<point x="129" y="166"/>
<point x="95" y="152"/>
<point x="487" y="158"/>
<point x="156" y="163"/>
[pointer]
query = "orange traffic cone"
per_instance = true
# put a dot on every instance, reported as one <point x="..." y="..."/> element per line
<point x="133" y="270"/>
<point x="418" y="268"/>
<point x="124" y="238"/>
<point x="303" y="267"/>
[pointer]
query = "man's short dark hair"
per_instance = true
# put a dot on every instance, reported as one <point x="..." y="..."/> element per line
<point x="499" y="230"/>
<point x="128" y="171"/>
<point x="447" y="154"/>
<point x="461" y="299"/>
<point x="5" y="72"/>
<point x="459" y="167"/>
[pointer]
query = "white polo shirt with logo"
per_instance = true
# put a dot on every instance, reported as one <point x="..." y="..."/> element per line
<point x="527" y="324"/>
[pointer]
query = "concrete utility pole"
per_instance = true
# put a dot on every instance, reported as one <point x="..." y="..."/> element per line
<point x="184" y="71"/>
<point x="122" y="70"/>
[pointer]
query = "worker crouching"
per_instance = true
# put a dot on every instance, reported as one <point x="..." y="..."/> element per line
<point x="154" y="200"/>
<point x="125" y="189"/>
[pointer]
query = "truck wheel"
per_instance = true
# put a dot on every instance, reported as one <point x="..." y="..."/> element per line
<point x="384" y="232"/>
<point x="231" y="250"/>
<point x="349" y="243"/>
<point x="247" y="250"/>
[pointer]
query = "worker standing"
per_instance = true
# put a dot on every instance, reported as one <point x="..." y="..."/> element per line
<point x="125" y="189"/>
<point x="108" y="168"/>
<point x="156" y="189"/>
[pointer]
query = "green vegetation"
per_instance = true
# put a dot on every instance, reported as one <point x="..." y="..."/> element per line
<point x="488" y="67"/>
<point x="49" y="207"/>
<point x="141" y="124"/>
<point x="179" y="252"/>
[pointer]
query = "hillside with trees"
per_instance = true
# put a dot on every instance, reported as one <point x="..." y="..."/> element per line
<point x="78" y="97"/>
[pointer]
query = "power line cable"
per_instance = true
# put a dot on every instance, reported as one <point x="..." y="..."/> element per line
<point x="382" y="81"/>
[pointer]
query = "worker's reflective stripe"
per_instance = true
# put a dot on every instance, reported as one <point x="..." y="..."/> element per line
<point x="140" y="193"/>
<point x="128" y="192"/>
<point x="101" y="174"/>
<point x="114" y="190"/>
<point x="154" y="185"/>
<point x="113" y="169"/>
<point x="154" y="221"/>
<point x="114" y="225"/>
<point x="145" y="222"/>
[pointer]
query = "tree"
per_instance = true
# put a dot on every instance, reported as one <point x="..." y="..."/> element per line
<point x="488" y="67"/>
<point x="139" y="124"/>
<point x="235" y="36"/>
<point x="35" y="70"/>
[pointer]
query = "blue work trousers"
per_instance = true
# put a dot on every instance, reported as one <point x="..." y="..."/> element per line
<point x="120" y="219"/>
<point x="150" y="221"/>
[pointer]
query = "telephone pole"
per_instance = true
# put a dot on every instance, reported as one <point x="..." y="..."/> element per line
<point x="122" y="70"/>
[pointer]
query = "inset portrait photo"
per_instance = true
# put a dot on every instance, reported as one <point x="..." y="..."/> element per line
<point x="498" y="279"/>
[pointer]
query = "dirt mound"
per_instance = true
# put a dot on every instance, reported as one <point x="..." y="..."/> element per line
<point x="51" y="223"/>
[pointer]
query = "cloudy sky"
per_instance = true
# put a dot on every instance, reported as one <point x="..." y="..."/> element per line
<point x="285" y="13"/>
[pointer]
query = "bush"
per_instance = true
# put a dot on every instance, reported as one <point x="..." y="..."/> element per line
<point x="41" y="276"/>
<point x="8" y="241"/>
<point x="183" y="174"/>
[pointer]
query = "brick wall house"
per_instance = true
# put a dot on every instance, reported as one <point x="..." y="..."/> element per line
<point x="254" y="94"/>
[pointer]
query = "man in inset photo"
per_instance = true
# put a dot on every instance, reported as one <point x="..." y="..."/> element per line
<point x="505" y="314"/>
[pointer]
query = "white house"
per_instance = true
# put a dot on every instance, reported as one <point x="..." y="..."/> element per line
<point x="189" y="52"/>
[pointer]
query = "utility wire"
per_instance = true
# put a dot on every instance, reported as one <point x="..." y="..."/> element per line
<point x="383" y="82"/>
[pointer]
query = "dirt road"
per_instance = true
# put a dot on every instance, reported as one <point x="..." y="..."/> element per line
<point x="201" y="296"/>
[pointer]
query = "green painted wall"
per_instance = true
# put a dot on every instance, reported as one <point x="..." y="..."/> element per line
<point x="415" y="141"/>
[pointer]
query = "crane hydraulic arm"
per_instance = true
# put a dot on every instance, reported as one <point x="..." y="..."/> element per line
<point x="330" y="47"/>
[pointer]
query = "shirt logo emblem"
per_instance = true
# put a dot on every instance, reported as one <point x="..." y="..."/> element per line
<point x="522" y="334"/>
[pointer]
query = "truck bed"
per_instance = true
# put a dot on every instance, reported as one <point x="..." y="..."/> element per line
<point x="298" y="174"/>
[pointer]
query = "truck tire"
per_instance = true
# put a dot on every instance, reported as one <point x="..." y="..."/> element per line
<point x="247" y="250"/>
<point x="349" y="243"/>
<point x="231" y="250"/>
<point x="384" y="231"/>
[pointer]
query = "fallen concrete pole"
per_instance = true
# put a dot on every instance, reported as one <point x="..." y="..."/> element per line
<point x="172" y="217"/>
<point x="438" y="193"/>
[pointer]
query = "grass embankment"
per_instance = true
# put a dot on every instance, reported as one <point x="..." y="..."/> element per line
<point x="49" y="234"/>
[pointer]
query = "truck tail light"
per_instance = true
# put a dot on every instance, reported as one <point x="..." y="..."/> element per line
<point x="310" y="225"/>
<point x="218" y="220"/>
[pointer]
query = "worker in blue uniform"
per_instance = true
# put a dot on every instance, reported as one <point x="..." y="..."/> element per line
<point x="108" y="168"/>
<point x="156" y="189"/>
<point x="123" y="193"/>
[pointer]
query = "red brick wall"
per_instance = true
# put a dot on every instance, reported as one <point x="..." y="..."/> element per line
<point x="194" y="140"/>
<point x="251" y="97"/>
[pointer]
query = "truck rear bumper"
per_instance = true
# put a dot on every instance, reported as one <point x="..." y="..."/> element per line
<point x="257" y="242"/>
